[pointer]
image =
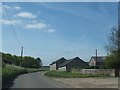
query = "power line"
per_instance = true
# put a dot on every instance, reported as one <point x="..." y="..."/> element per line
<point x="11" y="25"/>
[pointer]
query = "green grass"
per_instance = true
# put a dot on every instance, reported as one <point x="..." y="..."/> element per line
<point x="63" y="74"/>
<point x="0" y="72"/>
<point x="0" y="69"/>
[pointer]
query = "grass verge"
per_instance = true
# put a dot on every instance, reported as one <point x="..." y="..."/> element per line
<point x="9" y="73"/>
<point x="63" y="74"/>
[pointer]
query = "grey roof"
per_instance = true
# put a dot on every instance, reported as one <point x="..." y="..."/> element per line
<point x="65" y="63"/>
<point x="68" y="61"/>
<point x="99" y="58"/>
<point x="57" y="61"/>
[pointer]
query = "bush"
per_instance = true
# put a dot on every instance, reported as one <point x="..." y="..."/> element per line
<point x="92" y="67"/>
<point x="10" y="72"/>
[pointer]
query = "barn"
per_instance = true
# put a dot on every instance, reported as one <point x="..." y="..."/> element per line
<point x="74" y="63"/>
<point x="54" y="65"/>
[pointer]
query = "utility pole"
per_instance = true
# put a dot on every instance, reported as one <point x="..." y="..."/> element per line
<point x="96" y="54"/>
<point x="21" y="55"/>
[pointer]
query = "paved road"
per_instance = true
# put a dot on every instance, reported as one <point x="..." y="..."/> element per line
<point x="37" y="80"/>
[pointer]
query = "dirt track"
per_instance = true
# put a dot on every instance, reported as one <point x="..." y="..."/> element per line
<point x="90" y="82"/>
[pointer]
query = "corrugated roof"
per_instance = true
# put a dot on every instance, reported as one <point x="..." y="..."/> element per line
<point x="99" y="58"/>
<point x="57" y="60"/>
<point x="68" y="61"/>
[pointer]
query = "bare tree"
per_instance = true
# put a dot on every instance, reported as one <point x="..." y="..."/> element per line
<point x="113" y="49"/>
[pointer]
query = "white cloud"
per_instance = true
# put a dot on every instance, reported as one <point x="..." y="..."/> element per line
<point x="17" y="7"/>
<point x="7" y="22"/>
<point x="50" y="30"/>
<point x="26" y="15"/>
<point x="14" y="7"/>
<point x="39" y="26"/>
<point x="36" y="26"/>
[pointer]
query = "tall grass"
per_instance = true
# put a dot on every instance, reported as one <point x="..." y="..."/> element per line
<point x="9" y="73"/>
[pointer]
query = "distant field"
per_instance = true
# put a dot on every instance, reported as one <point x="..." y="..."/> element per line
<point x="62" y="74"/>
<point x="46" y="68"/>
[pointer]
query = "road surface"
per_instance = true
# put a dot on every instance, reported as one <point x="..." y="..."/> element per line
<point x="37" y="80"/>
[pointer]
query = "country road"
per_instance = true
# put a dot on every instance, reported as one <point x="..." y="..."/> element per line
<point x="37" y="80"/>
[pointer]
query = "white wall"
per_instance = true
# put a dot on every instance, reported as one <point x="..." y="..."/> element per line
<point x="53" y="67"/>
<point x="62" y="68"/>
<point x="92" y="62"/>
<point x="98" y="71"/>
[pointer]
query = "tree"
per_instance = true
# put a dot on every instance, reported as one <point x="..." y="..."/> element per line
<point x="113" y="50"/>
<point x="16" y="60"/>
<point x="7" y="56"/>
<point x="27" y="61"/>
<point x="39" y="61"/>
<point x="31" y="62"/>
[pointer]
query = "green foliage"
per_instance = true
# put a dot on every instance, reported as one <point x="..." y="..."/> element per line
<point x="39" y="61"/>
<point x="112" y="61"/>
<point x="113" y="49"/>
<point x="30" y="62"/>
<point x="63" y="74"/>
<point x="26" y="61"/>
<point x="7" y="56"/>
<point x="10" y="72"/>
<point x="92" y="67"/>
<point x="16" y="60"/>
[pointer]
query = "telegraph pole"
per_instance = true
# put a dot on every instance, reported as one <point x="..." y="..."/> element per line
<point x="21" y="55"/>
<point x="96" y="54"/>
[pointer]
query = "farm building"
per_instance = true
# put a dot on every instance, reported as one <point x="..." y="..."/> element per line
<point x="54" y="65"/>
<point x="97" y="61"/>
<point x="75" y="63"/>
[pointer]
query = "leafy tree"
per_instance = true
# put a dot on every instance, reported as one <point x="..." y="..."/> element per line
<point x="30" y="62"/>
<point x="113" y="50"/>
<point x="16" y="60"/>
<point x="39" y="61"/>
<point x="7" y="56"/>
<point x="111" y="61"/>
<point x="27" y="61"/>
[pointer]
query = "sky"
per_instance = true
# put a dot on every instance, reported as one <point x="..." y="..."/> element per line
<point x="54" y="30"/>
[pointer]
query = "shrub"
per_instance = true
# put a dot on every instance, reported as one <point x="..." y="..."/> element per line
<point x="10" y="72"/>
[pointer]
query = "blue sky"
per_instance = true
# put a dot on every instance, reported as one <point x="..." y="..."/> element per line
<point x="54" y="30"/>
